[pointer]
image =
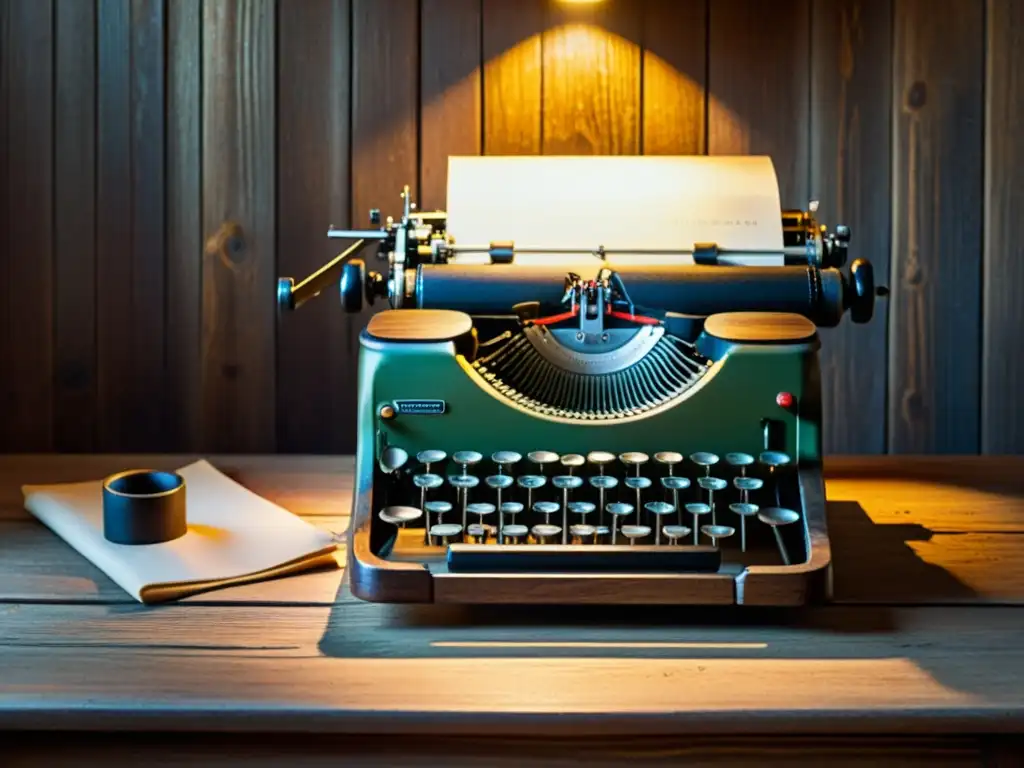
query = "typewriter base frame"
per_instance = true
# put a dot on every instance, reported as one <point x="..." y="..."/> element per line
<point x="377" y="579"/>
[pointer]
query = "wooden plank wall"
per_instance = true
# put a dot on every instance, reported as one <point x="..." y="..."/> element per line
<point x="163" y="161"/>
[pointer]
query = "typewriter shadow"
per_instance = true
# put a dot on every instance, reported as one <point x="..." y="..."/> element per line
<point x="876" y="571"/>
<point x="876" y="563"/>
<point x="869" y="620"/>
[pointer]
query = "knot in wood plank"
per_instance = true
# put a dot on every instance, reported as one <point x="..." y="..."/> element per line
<point x="228" y="242"/>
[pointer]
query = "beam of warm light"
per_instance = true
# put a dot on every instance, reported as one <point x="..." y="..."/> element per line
<point x="595" y="645"/>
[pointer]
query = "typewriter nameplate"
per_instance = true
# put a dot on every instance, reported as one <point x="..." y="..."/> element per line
<point x="420" y="407"/>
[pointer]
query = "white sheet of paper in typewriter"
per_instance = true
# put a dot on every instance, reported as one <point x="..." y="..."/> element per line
<point x="619" y="202"/>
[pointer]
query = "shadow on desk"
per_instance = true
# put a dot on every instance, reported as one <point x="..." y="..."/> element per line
<point x="893" y="574"/>
<point x="865" y="620"/>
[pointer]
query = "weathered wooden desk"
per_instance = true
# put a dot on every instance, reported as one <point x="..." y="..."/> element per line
<point x="919" y="660"/>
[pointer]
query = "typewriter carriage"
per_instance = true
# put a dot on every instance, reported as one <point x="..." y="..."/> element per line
<point x="499" y="357"/>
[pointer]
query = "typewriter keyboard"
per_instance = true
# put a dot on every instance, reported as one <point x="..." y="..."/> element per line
<point x="534" y="506"/>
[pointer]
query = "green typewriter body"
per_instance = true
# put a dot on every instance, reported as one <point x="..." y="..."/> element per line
<point x="621" y="433"/>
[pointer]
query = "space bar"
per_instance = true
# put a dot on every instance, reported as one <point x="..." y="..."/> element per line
<point x="581" y="558"/>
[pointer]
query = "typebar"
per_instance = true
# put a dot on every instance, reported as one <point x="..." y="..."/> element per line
<point x="590" y="558"/>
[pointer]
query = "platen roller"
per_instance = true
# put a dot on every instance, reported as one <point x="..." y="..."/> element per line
<point x="821" y="295"/>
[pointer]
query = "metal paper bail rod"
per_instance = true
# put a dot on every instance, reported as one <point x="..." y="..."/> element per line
<point x="798" y="254"/>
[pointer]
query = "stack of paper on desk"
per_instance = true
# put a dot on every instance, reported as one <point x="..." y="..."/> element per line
<point x="234" y="537"/>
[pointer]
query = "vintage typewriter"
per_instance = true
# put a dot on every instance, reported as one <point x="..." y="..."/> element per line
<point x="599" y="430"/>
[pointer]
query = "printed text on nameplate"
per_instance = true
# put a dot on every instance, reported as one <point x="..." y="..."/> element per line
<point x="420" y="407"/>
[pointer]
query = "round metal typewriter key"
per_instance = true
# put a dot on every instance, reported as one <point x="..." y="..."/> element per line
<point x="438" y="508"/>
<point x="499" y="483"/>
<point x="638" y="484"/>
<point x="712" y="484"/>
<point x="618" y="509"/>
<point x="634" y="532"/>
<point x="747" y="484"/>
<point x="479" y="532"/>
<point x="546" y="508"/>
<point x="602" y="483"/>
<point x="744" y="510"/>
<point x="467" y="459"/>
<point x="564" y="483"/>
<point x="530" y="483"/>
<point x="505" y="459"/>
<point x="704" y="459"/>
<point x="573" y="460"/>
<point x="514" y="532"/>
<point x="716" y="532"/>
<point x="392" y="459"/>
<point x="697" y="510"/>
<point x="480" y="509"/>
<point x="463" y="483"/>
<point x="542" y="458"/>
<point x="400" y="515"/>
<point x="659" y="509"/>
<point x="676" y="532"/>
<point x="545" y="531"/>
<point x="599" y="531"/>
<point x="739" y="460"/>
<point x="776" y="517"/>
<point x="600" y="459"/>
<point x="581" y="508"/>
<point x="426" y="482"/>
<point x="634" y="459"/>
<point x="668" y="458"/>
<point x="445" y="532"/>
<point x="676" y="484"/>
<point x="511" y="508"/>
<point x="431" y="456"/>
<point x="581" y="532"/>
<point x="774" y="458"/>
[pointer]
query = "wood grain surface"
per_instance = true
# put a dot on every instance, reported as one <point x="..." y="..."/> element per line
<point x="1002" y="419"/>
<point x="184" y="223"/>
<point x="26" y="266"/>
<point x="674" y="99"/>
<point x="313" y="413"/>
<point x="130" y="236"/>
<point x="239" y="274"/>
<point x="135" y="134"/>
<point x="767" y="113"/>
<point x="419" y="325"/>
<point x="590" y="92"/>
<point x="937" y="170"/>
<point x="512" y="32"/>
<point x="594" y="751"/>
<point x="851" y="72"/>
<point x="924" y="531"/>
<point x="300" y="655"/>
<point x="384" y="146"/>
<point x="74" y="264"/>
<point x="290" y="669"/>
<point x="450" y="92"/>
<point x="759" y="326"/>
